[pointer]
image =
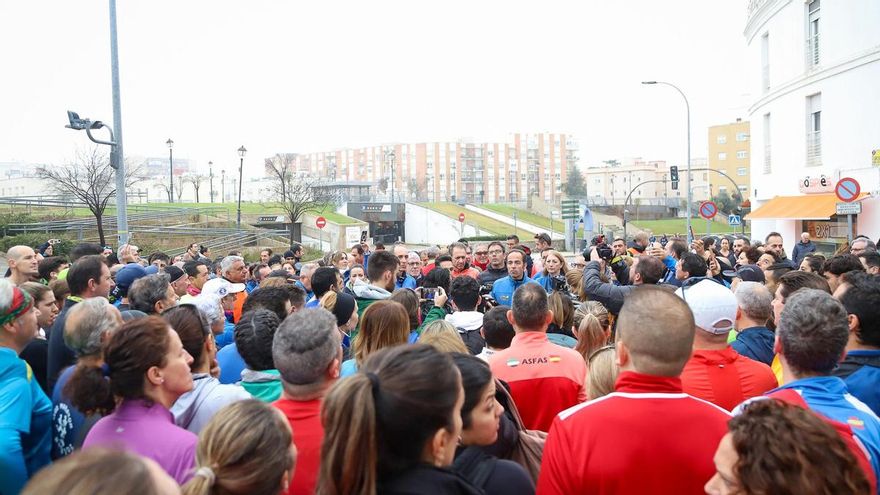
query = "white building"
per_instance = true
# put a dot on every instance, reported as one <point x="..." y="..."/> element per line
<point x="816" y="75"/>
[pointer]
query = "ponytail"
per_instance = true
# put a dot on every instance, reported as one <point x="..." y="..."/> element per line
<point x="591" y="335"/>
<point x="328" y="300"/>
<point x="201" y="483"/>
<point x="350" y="449"/>
<point x="89" y="390"/>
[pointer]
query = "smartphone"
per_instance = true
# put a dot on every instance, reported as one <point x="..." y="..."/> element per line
<point x="428" y="293"/>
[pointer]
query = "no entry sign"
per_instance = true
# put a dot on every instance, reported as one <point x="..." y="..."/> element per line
<point x="708" y="210"/>
<point x="847" y="189"/>
<point x="320" y="222"/>
<point x="461" y="217"/>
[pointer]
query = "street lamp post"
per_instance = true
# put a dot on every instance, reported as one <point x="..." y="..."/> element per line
<point x="211" y="180"/>
<point x="689" y="191"/>
<point x="223" y="186"/>
<point x="170" y="144"/>
<point x="241" y="152"/>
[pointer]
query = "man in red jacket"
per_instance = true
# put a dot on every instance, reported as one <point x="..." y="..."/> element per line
<point x="647" y="436"/>
<point x="544" y="378"/>
<point x="307" y="353"/>
<point x="716" y="372"/>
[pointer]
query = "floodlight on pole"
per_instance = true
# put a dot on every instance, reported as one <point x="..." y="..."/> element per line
<point x="241" y="152"/>
<point x="689" y="191"/>
<point x="170" y="144"/>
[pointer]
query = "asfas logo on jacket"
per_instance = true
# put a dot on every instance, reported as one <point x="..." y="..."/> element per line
<point x="514" y="362"/>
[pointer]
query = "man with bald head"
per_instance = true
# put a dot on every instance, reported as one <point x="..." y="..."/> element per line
<point x="88" y="325"/>
<point x="23" y="265"/>
<point x="647" y="421"/>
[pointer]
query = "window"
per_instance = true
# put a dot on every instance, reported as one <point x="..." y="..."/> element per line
<point x="741" y="171"/>
<point x="812" y="45"/>
<point x="767" y="167"/>
<point x="722" y="156"/>
<point x="721" y="139"/>
<point x="742" y="155"/>
<point x="814" y="130"/>
<point x="742" y="136"/>
<point x="765" y="62"/>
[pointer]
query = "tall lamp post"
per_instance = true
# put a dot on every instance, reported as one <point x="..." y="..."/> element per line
<point x="211" y="180"/>
<point x="170" y="144"/>
<point x="241" y="152"/>
<point x="689" y="192"/>
<point x="223" y="186"/>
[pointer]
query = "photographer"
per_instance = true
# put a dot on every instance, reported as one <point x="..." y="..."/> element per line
<point x="553" y="274"/>
<point x="644" y="270"/>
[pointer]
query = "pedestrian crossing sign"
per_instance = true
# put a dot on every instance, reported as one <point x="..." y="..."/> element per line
<point x="734" y="220"/>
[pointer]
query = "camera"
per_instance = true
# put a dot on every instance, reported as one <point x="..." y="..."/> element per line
<point x="560" y="284"/>
<point x="603" y="250"/>
<point x="427" y="293"/>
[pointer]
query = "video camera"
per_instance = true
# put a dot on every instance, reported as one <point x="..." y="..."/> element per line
<point x="602" y="248"/>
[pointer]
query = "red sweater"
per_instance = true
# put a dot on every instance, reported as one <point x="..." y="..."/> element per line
<point x="646" y="437"/>
<point x="544" y="378"/>
<point x="726" y="378"/>
<point x="305" y="421"/>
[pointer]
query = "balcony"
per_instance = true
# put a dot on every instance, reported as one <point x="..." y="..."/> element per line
<point x="814" y="149"/>
<point x="812" y="52"/>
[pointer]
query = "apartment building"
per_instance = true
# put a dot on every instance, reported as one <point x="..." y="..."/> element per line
<point x="730" y="154"/>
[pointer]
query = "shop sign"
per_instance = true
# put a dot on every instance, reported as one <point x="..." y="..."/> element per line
<point x="816" y="185"/>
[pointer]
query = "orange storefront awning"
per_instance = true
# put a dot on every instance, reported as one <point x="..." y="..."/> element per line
<point x="806" y="207"/>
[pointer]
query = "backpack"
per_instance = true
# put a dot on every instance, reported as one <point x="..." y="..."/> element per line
<point x="472" y="339"/>
<point x="529" y="448"/>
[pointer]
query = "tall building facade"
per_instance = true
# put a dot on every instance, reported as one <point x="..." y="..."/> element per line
<point x="816" y="67"/>
<point x="729" y="153"/>
<point x="465" y="170"/>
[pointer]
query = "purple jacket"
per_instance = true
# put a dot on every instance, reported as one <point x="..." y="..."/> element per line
<point x="148" y="429"/>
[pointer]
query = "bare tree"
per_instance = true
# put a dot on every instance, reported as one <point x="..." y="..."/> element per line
<point x="90" y="179"/>
<point x="165" y="187"/>
<point x="196" y="181"/>
<point x="296" y="195"/>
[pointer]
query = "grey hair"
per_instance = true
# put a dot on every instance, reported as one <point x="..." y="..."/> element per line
<point x="813" y="330"/>
<point x="227" y="262"/>
<point x="209" y="306"/>
<point x="5" y="295"/>
<point x="754" y="300"/>
<point x="307" y="268"/>
<point x="432" y="252"/>
<point x="304" y="345"/>
<point x="145" y="292"/>
<point x="86" y="324"/>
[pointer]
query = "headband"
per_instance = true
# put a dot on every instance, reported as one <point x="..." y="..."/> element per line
<point x="21" y="303"/>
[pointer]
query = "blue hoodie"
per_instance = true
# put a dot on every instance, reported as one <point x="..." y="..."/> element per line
<point x="755" y="343"/>
<point x="502" y="290"/>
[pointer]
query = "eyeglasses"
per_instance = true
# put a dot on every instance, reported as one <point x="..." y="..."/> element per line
<point x="482" y="253"/>
<point x="609" y="347"/>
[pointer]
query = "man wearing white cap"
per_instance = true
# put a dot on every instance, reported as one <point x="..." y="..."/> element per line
<point x="716" y="372"/>
<point x="226" y="291"/>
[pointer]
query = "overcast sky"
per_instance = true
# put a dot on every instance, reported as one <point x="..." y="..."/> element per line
<point x="298" y="76"/>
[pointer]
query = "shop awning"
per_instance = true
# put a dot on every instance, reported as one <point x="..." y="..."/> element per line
<point x="806" y="207"/>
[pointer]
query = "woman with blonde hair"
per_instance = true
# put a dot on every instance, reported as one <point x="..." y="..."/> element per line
<point x="575" y="279"/>
<point x="603" y="371"/>
<point x="555" y="266"/>
<point x="246" y="448"/>
<point x="100" y="471"/>
<point x="383" y="324"/>
<point x="442" y="336"/>
<point x="592" y="327"/>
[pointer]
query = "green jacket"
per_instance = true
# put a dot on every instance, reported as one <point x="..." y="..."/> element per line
<point x="436" y="313"/>
<point x="263" y="385"/>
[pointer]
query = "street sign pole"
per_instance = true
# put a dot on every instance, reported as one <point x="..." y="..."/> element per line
<point x="708" y="226"/>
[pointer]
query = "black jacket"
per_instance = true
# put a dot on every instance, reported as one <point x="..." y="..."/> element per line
<point x="428" y="480"/>
<point x="490" y="275"/>
<point x="60" y="356"/>
<point x="611" y="296"/>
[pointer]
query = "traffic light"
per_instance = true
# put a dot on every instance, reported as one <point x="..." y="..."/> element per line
<point x="673" y="176"/>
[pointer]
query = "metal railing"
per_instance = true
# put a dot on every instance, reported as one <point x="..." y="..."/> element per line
<point x="814" y="148"/>
<point x="812" y="51"/>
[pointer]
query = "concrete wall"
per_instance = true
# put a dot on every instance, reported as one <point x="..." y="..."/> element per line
<point x="424" y="226"/>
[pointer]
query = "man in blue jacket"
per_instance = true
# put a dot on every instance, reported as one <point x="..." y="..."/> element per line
<point x="753" y="339"/>
<point x="860" y="369"/>
<point x="502" y="290"/>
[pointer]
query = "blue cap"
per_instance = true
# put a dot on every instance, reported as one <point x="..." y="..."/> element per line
<point x="127" y="275"/>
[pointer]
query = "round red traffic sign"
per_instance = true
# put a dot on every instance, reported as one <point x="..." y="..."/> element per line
<point x="320" y="222"/>
<point x="847" y="189"/>
<point x="461" y="217"/>
<point x="708" y="210"/>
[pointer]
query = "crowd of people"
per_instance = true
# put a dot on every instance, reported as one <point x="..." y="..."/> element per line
<point x="648" y="365"/>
